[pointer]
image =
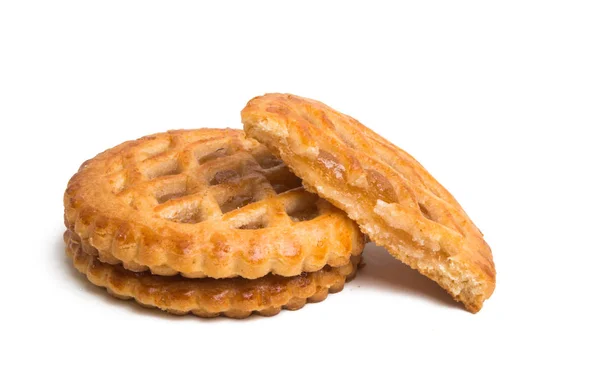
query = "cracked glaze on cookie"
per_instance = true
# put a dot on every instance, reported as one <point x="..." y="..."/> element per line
<point x="396" y="202"/>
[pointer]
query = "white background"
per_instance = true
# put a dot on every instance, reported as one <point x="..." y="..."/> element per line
<point x="500" y="101"/>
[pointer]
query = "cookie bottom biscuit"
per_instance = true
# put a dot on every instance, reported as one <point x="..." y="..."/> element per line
<point x="208" y="297"/>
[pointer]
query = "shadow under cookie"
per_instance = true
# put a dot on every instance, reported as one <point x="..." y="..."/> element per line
<point x="383" y="271"/>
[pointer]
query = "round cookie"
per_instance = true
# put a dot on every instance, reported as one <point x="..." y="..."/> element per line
<point x="204" y="203"/>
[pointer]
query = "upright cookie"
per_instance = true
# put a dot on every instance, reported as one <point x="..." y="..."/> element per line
<point x="396" y="202"/>
<point x="204" y="203"/>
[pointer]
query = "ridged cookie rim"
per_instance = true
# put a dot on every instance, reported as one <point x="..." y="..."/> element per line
<point x="239" y="298"/>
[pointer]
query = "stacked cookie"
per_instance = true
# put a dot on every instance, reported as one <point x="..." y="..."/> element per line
<point x="212" y="222"/>
<point x="208" y="222"/>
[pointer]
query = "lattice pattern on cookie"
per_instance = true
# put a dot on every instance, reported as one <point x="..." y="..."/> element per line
<point x="204" y="203"/>
<point x="396" y="202"/>
<point x="209" y="297"/>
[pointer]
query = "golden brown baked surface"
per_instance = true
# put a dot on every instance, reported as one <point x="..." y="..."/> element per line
<point x="209" y="297"/>
<point x="396" y="202"/>
<point x="204" y="203"/>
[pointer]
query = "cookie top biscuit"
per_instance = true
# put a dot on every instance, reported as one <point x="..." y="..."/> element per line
<point x="396" y="202"/>
<point x="204" y="203"/>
